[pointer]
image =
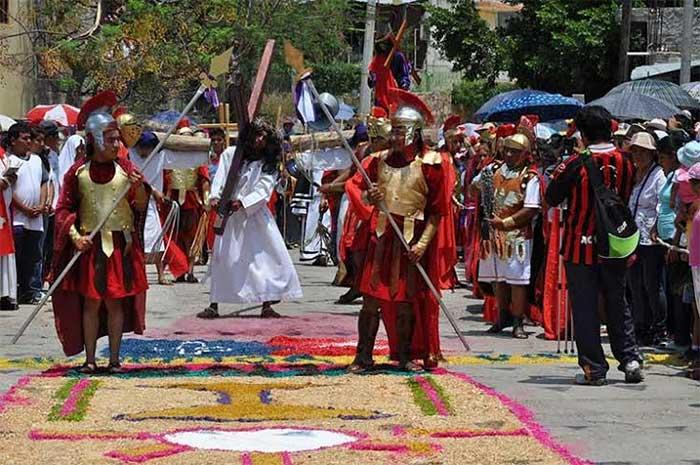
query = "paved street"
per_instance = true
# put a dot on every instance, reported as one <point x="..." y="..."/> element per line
<point x="657" y="422"/>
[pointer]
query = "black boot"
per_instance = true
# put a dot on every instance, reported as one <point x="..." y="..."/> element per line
<point x="519" y="328"/>
<point x="405" y="324"/>
<point x="367" y="327"/>
<point x="505" y="319"/>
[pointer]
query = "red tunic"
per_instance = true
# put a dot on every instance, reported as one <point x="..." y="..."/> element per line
<point x="123" y="274"/>
<point x="191" y="210"/>
<point x="7" y="242"/>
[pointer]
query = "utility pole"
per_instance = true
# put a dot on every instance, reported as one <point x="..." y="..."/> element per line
<point x="367" y="51"/>
<point x="625" y="31"/>
<point x="687" y="41"/>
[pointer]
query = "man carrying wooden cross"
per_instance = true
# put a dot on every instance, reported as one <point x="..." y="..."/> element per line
<point x="250" y="261"/>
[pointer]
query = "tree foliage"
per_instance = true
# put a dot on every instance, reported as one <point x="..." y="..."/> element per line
<point x="566" y="46"/>
<point x="465" y="39"/>
<point x="469" y="95"/>
<point x="152" y="51"/>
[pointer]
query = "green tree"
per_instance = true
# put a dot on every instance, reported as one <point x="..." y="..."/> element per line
<point x="151" y="52"/>
<point x="465" y="39"/>
<point x="566" y="46"/>
<point x="469" y="95"/>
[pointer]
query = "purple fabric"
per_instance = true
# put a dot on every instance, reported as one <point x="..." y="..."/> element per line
<point x="212" y="97"/>
<point x="401" y="69"/>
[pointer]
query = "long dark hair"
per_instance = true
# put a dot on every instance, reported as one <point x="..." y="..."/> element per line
<point x="271" y="154"/>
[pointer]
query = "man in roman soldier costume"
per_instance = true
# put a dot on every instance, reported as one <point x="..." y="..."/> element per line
<point x="108" y="283"/>
<point x="189" y="187"/>
<point x="410" y="180"/>
<point x="454" y="144"/>
<point x="511" y="198"/>
<point x="355" y="225"/>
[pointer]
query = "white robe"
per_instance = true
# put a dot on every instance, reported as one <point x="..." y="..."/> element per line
<point x="250" y="262"/>
<point x="153" y="174"/>
<point x="316" y="163"/>
<point x="8" y="267"/>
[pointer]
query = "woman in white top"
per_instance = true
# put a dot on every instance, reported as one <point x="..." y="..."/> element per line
<point x="649" y="306"/>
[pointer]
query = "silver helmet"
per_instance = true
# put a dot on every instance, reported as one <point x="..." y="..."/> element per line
<point x="409" y="118"/>
<point x="97" y="123"/>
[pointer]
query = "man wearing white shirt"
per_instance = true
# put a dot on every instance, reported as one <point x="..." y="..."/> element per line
<point x="28" y="200"/>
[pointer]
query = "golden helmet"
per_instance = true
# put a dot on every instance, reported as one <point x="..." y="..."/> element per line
<point x="129" y="128"/>
<point x="517" y="142"/>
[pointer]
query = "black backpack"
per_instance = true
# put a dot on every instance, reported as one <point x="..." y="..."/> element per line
<point x="617" y="235"/>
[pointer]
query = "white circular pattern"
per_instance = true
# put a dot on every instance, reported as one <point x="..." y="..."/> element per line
<point x="270" y="440"/>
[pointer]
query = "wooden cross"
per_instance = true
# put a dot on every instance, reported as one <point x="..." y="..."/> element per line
<point x="246" y="114"/>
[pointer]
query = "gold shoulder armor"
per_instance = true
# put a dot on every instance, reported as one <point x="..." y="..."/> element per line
<point x="381" y="154"/>
<point x="432" y="158"/>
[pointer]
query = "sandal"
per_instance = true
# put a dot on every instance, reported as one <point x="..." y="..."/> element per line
<point x="114" y="368"/>
<point x="208" y="314"/>
<point x="88" y="368"/>
<point x="165" y="281"/>
<point x="268" y="312"/>
<point x="410" y="367"/>
<point x="191" y="278"/>
<point x="357" y="368"/>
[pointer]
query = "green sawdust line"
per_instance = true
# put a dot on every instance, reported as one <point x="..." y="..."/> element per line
<point x="81" y="406"/>
<point x="441" y="392"/>
<point x="421" y="398"/>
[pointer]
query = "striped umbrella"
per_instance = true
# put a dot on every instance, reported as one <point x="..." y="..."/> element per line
<point x="693" y="88"/>
<point x="665" y="91"/>
<point x="630" y="105"/>
<point x="65" y="115"/>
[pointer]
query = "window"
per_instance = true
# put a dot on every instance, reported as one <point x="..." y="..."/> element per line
<point x="4" y="7"/>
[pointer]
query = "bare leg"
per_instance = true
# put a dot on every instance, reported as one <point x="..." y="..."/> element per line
<point x="367" y="327"/>
<point x="503" y="299"/>
<point x="115" y="326"/>
<point x="518" y="309"/>
<point x="91" y="327"/>
<point x="162" y="279"/>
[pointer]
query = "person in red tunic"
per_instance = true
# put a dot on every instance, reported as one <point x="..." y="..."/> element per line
<point x="108" y="283"/>
<point x="189" y="187"/>
<point x="409" y="180"/>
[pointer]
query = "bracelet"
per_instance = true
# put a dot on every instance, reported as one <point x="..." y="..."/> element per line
<point x="509" y="222"/>
<point x="74" y="234"/>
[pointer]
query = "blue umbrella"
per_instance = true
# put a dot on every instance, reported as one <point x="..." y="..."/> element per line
<point x="165" y="119"/>
<point x="547" y="106"/>
<point x="487" y="108"/>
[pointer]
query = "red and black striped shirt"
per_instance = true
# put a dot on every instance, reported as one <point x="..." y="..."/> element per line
<point x="570" y="182"/>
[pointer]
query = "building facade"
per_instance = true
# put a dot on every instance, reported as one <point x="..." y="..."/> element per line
<point x="16" y="84"/>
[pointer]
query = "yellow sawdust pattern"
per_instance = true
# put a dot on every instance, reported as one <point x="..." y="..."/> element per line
<point x="473" y="411"/>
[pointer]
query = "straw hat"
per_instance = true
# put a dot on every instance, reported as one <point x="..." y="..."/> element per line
<point x="643" y="140"/>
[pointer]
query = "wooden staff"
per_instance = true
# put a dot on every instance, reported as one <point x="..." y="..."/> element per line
<point x="382" y="206"/>
<point x="104" y="219"/>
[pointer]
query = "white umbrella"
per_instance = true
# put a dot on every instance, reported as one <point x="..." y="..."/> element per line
<point x="6" y="122"/>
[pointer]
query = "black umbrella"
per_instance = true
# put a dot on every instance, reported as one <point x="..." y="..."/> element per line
<point x="665" y="91"/>
<point x="630" y="105"/>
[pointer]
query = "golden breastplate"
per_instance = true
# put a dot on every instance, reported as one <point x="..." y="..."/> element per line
<point x="184" y="179"/>
<point x="405" y="189"/>
<point x="405" y="194"/>
<point x="96" y="199"/>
